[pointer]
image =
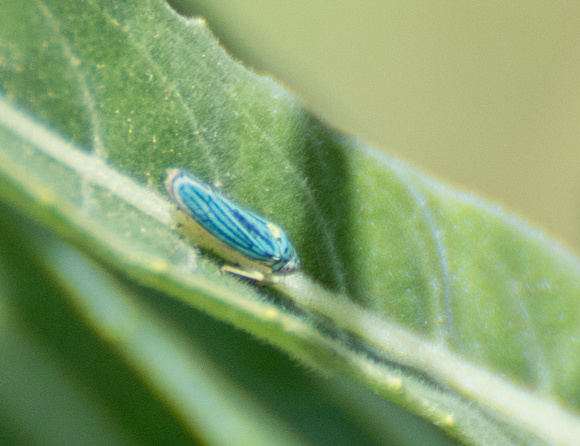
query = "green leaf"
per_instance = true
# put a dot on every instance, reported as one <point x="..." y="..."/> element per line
<point x="429" y="297"/>
<point x="169" y="362"/>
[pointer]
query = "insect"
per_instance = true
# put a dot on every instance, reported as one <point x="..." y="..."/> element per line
<point x="259" y="249"/>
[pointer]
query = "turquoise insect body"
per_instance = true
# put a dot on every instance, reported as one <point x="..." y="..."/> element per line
<point x="260" y="249"/>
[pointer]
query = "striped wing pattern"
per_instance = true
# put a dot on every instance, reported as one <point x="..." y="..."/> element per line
<point x="232" y="224"/>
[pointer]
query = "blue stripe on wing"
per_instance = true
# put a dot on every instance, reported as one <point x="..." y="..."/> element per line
<point x="231" y="223"/>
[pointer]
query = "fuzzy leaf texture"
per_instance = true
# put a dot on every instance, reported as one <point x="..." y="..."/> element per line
<point x="429" y="297"/>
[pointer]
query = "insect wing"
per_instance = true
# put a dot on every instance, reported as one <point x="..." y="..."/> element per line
<point x="230" y="223"/>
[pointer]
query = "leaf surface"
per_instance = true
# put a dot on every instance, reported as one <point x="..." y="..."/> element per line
<point x="428" y="296"/>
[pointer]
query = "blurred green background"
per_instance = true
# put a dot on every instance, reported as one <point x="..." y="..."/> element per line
<point x="484" y="96"/>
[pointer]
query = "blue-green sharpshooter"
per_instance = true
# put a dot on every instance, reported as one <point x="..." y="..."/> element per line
<point x="260" y="249"/>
